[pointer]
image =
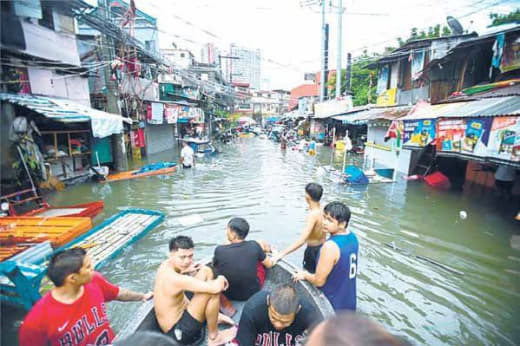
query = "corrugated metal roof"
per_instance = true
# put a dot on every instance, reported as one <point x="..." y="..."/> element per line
<point x="45" y="107"/>
<point x="489" y="107"/>
<point x="362" y="117"/>
<point x="103" y="124"/>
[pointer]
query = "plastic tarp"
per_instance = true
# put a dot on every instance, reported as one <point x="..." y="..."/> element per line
<point x="155" y="166"/>
<point x="355" y="176"/>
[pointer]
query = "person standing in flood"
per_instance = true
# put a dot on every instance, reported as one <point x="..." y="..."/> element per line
<point x="187" y="156"/>
<point x="313" y="233"/>
<point x="283" y="140"/>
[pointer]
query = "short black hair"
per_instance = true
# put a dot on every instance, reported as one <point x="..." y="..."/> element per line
<point x="315" y="191"/>
<point x="338" y="211"/>
<point x="239" y="226"/>
<point x="64" y="263"/>
<point x="284" y="299"/>
<point x="181" y="242"/>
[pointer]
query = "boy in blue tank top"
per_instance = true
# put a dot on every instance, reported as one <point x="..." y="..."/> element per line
<point x="337" y="260"/>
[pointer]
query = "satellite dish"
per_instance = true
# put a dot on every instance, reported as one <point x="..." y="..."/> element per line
<point x="456" y="28"/>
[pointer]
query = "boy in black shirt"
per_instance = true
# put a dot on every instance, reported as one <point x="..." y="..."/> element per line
<point x="239" y="261"/>
<point x="278" y="318"/>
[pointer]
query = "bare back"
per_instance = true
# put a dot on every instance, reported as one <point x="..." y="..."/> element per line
<point x="169" y="300"/>
<point x="317" y="236"/>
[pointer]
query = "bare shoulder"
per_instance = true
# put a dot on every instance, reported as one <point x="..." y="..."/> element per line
<point x="329" y="247"/>
<point x="316" y="214"/>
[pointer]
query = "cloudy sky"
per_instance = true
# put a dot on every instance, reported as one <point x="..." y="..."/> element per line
<point x="289" y="34"/>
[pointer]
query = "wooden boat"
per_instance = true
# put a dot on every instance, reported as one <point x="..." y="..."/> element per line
<point x="30" y="229"/>
<point x="8" y="251"/>
<point x="109" y="238"/>
<point x="139" y="174"/>
<point x="89" y="209"/>
<point x="21" y="276"/>
<point x="144" y="319"/>
<point x="40" y="207"/>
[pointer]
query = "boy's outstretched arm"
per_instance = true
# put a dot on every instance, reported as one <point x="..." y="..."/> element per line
<point x="309" y="226"/>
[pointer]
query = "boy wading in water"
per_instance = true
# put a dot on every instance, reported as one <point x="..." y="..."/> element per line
<point x="313" y="233"/>
<point x="183" y="318"/>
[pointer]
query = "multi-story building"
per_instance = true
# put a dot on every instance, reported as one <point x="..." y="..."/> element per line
<point x="209" y="54"/>
<point x="269" y="104"/>
<point x="178" y="57"/>
<point x="44" y="81"/>
<point x="245" y="67"/>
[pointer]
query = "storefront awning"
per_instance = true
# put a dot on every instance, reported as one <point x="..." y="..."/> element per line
<point x="103" y="124"/>
<point x="363" y="117"/>
<point x="489" y="107"/>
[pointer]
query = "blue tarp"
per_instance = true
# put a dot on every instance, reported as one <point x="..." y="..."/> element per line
<point x="155" y="167"/>
<point x="354" y="175"/>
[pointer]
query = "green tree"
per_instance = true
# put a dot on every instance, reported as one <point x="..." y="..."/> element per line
<point x="446" y="31"/>
<point x="498" y="19"/>
<point x="361" y="76"/>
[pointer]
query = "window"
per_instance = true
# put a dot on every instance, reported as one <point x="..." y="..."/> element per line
<point x="48" y="19"/>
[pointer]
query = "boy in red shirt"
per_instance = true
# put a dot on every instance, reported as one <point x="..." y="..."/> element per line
<point x="73" y="312"/>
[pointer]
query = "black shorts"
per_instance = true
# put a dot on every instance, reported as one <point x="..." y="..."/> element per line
<point x="309" y="258"/>
<point x="187" y="330"/>
<point x="186" y="166"/>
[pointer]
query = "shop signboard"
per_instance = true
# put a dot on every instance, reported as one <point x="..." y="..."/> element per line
<point x="504" y="139"/>
<point x="476" y="136"/>
<point x="171" y="113"/>
<point x="418" y="133"/>
<point x="450" y="134"/>
<point x="387" y="98"/>
<point x="468" y="136"/>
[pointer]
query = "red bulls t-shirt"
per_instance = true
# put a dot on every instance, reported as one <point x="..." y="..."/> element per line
<point x="83" y="322"/>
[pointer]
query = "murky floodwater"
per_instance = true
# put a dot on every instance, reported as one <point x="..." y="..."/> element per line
<point x="410" y="296"/>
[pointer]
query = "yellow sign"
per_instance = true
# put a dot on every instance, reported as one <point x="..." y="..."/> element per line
<point x="387" y="98"/>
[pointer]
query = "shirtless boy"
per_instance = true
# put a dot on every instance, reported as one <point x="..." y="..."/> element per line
<point x="313" y="233"/>
<point x="183" y="318"/>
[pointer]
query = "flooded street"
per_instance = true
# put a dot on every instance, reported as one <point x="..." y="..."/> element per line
<point x="411" y="296"/>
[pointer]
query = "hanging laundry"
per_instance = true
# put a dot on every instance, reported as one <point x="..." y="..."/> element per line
<point x="498" y="49"/>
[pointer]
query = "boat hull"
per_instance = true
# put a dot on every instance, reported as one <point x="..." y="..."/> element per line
<point x="144" y="319"/>
<point x="90" y="209"/>
<point x="133" y="174"/>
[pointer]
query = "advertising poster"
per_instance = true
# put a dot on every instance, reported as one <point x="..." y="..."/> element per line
<point x="418" y="133"/>
<point x="504" y="139"/>
<point x="171" y="113"/>
<point x="476" y="136"/>
<point x="450" y="134"/>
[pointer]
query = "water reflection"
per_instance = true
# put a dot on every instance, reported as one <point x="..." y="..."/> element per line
<point x="413" y="298"/>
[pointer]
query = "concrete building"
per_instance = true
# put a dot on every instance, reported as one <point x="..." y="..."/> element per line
<point x="209" y="54"/>
<point x="180" y="58"/>
<point x="247" y="68"/>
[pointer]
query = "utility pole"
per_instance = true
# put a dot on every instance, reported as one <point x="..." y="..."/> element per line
<point x="348" y="82"/>
<point x="326" y="58"/>
<point x="338" y="51"/>
<point x="323" y="51"/>
<point x="107" y="48"/>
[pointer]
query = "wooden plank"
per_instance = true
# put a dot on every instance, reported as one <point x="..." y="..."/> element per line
<point x="58" y="230"/>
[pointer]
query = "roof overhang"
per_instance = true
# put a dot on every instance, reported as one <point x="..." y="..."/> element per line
<point x="103" y="124"/>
